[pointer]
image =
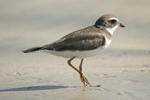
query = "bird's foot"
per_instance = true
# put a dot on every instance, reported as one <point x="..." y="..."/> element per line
<point x="85" y="81"/>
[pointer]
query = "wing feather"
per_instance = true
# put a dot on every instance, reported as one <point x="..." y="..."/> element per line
<point x="84" y="39"/>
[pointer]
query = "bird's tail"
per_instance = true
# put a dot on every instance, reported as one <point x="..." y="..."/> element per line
<point x="34" y="49"/>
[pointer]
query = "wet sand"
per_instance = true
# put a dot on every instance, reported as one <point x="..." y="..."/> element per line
<point x="122" y="70"/>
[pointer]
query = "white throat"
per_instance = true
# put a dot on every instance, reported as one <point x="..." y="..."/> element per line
<point x="110" y="30"/>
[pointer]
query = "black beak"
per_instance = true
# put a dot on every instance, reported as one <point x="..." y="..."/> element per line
<point x="121" y="25"/>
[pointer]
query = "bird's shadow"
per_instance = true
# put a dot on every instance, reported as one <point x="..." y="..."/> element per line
<point x="32" y="88"/>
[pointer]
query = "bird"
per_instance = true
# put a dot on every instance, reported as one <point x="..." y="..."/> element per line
<point x="83" y="43"/>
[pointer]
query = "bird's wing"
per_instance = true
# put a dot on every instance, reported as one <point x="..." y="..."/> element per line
<point x="84" y="39"/>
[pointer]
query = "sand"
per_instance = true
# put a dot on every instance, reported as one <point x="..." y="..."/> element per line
<point x="123" y="70"/>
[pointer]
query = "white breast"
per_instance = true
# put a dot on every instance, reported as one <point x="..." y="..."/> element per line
<point x="107" y="42"/>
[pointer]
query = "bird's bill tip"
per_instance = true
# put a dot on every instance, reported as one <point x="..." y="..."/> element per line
<point x="121" y="25"/>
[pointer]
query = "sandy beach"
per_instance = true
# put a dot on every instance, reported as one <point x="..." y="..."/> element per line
<point x="123" y="70"/>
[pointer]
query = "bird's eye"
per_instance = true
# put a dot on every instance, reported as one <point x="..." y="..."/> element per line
<point x="112" y="21"/>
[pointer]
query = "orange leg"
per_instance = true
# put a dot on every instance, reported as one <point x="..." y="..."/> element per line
<point x="82" y="77"/>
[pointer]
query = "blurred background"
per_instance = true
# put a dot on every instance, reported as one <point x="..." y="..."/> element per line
<point x="27" y="23"/>
<point x="123" y="69"/>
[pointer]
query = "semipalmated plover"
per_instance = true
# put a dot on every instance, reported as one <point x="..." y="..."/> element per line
<point x="83" y="43"/>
